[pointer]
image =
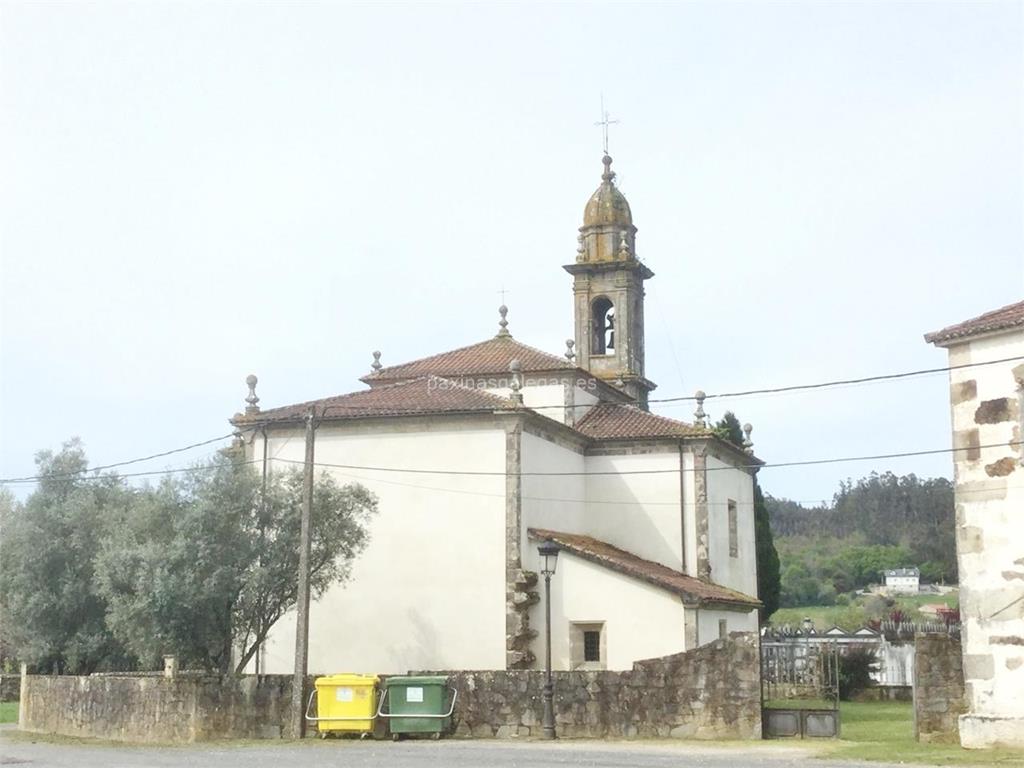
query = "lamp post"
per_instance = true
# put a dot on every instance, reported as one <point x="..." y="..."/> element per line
<point x="808" y="626"/>
<point x="549" y="554"/>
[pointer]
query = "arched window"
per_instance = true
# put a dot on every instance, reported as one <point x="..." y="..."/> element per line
<point x="602" y="313"/>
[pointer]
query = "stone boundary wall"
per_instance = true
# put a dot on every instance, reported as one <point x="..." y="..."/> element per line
<point x="712" y="692"/>
<point x="158" y="709"/>
<point x="938" y="688"/>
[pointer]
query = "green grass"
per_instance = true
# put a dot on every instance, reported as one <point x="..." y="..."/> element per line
<point x="884" y="731"/>
<point x="823" y="616"/>
<point x="8" y="712"/>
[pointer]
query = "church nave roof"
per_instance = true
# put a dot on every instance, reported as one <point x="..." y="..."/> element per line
<point x="421" y="396"/>
<point x="602" y="553"/>
<point x="486" y="358"/>
<point x="613" y="421"/>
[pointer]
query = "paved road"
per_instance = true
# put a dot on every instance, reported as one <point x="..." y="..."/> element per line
<point x="19" y="750"/>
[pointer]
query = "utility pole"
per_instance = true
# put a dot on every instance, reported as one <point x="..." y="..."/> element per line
<point x="302" y="604"/>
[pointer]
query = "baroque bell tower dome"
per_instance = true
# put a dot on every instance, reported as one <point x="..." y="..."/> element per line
<point x="608" y="291"/>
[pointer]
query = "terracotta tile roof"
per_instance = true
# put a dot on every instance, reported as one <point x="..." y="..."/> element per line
<point x="612" y="421"/>
<point x="425" y="395"/>
<point x="689" y="588"/>
<point x="1010" y="316"/>
<point x="486" y="358"/>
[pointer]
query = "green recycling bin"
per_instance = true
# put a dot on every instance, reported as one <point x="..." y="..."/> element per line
<point x="417" y="705"/>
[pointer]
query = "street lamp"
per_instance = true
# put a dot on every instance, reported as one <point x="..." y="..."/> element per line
<point x="549" y="553"/>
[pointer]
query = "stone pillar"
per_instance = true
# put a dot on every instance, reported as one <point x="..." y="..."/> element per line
<point x="691" y="633"/>
<point x="938" y="688"/>
<point x="23" y="694"/>
<point x="700" y="486"/>
<point x="518" y="594"/>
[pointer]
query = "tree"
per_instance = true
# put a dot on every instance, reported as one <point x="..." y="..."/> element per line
<point x="880" y="521"/>
<point x="769" y="579"/>
<point x="338" y="525"/>
<point x="52" y="616"/>
<point x="207" y="562"/>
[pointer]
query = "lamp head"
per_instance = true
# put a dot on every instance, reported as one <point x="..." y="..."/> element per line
<point x="549" y="554"/>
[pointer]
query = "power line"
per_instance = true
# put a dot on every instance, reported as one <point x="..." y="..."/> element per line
<point x="35" y="478"/>
<point x="770" y="390"/>
<point x="612" y="502"/>
<point x="468" y="492"/>
<point x="463" y="381"/>
<point x="608" y="473"/>
<point x="612" y="473"/>
<point x="151" y="473"/>
<point x="841" y="382"/>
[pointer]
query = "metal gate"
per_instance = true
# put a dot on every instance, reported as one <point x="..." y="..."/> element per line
<point x="799" y="688"/>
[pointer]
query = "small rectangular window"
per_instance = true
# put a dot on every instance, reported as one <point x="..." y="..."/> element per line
<point x="592" y="645"/>
<point x="587" y="645"/>
<point x="723" y="630"/>
<point x="734" y="534"/>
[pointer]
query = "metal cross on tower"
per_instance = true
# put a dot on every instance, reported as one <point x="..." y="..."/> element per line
<point x="604" y="123"/>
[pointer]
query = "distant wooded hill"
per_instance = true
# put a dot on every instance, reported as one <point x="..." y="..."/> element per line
<point x="878" y="522"/>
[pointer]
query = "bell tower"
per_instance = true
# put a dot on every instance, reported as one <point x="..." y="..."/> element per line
<point x="608" y="292"/>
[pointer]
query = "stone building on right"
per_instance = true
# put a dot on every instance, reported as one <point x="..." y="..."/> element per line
<point x="986" y="357"/>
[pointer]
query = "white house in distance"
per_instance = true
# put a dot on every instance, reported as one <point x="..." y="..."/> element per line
<point x="986" y="355"/>
<point x="481" y="453"/>
<point x="903" y="581"/>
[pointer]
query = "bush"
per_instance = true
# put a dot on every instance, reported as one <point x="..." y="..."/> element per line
<point x="855" y="668"/>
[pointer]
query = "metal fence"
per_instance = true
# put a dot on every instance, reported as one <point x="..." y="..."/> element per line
<point x="800" y="689"/>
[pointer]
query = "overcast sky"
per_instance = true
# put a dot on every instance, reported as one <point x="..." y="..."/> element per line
<point x="195" y="191"/>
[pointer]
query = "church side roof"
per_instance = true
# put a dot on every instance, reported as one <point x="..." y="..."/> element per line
<point x="616" y="421"/>
<point x="601" y="553"/>
<point x="1010" y="316"/>
<point x="421" y="396"/>
<point x="485" y="358"/>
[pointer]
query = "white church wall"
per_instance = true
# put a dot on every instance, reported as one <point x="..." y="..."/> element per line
<point x="639" y="621"/>
<point x="436" y="547"/>
<point x="547" y="399"/>
<point x="583" y="401"/>
<point x="989" y="498"/>
<point x="639" y="513"/>
<point x="554" y="502"/>
<point x="709" y="621"/>
<point x="728" y="484"/>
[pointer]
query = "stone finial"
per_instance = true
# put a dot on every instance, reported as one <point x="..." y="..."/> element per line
<point x="375" y="365"/>
<point x="251" y="399"/>
<point x="748" y="444"/>
<point x="516" y="384"/>
<point x="699" y="417"/>
<point x="503" y="323"/>
<point x="608" y="174"/>
<point x="170" y="666"/>
<point x="570" y="353"/>
<point x="581" y="249"/>
<point x="624" y="245"/>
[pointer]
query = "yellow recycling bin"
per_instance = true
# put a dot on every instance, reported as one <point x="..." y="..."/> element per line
<point x="344" y="703"/>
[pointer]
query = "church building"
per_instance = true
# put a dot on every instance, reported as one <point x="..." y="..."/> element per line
<point x="480" y="454"/>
